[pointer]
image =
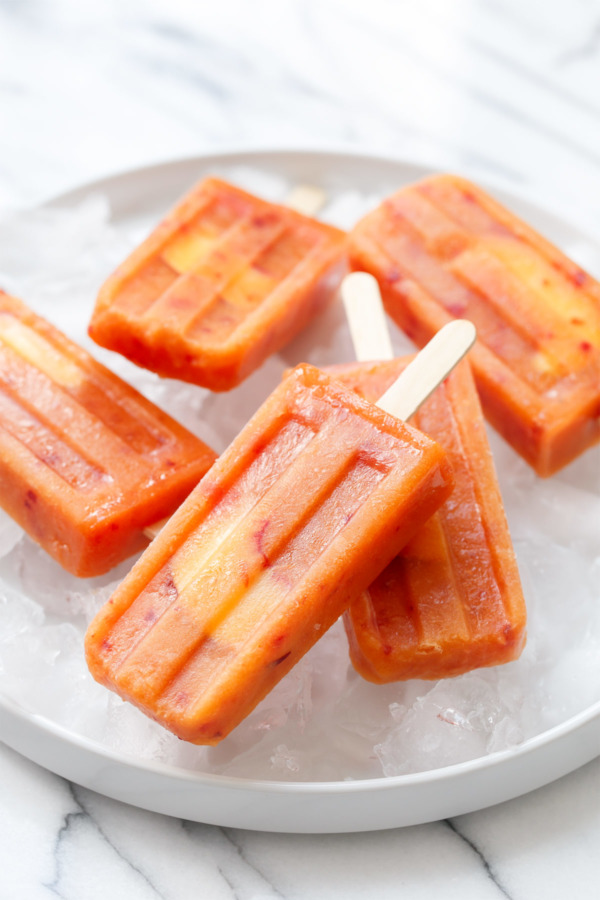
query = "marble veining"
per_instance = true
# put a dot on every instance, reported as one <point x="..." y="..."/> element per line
<point x="492" y="88"/>
<point x="488" y="869"/>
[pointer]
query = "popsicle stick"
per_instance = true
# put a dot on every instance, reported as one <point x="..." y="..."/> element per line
<point x="306" y="199"/>
<point x="152" y="530"/>
<point x="366" y="317"/>
<point x="428" y="369"/>
<point x="371" y="340"/>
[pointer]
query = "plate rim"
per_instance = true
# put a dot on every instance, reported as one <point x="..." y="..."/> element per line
<point x="575" y="722"/>
<point x="579" y="722"/>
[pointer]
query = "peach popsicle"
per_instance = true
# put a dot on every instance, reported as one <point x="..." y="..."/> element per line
<point x="86" y="462"/>
<point x="443" y="248"/>
<point x="226" y="280"/>
<point x="451" y="601"/>
<point x="309" y="503"/>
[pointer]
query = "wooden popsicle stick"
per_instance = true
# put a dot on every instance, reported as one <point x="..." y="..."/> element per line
<point x="428" y="369"/>
<point x="366" y="317"/>
<point x="152" y="530"/>
<point x="306" y="199"/>
<point x="371" y="339"/>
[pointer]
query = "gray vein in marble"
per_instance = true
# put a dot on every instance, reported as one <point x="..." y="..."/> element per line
<point x="238" y="849"/>
<point x="192" y="76"/>
<point x="484" y="862"/>
<point x="195" y="43"/>
<point x="588" y="49"/>
<point x="83" y="815"/>
<point x="488" y="100"/>
<point x="551" y="88"/>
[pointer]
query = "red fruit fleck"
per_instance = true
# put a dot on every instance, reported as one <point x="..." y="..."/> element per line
<point x="260" y="535"/>
<point x="585" y="346"/>
<point x="30" y="499"/>
<point x="277" y="662"/>
<point x="264" y="219"/>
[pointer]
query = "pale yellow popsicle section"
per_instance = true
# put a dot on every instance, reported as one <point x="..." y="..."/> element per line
<point x="36" y="350"/>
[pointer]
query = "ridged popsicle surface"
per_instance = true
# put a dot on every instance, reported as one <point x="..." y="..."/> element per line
<point x="452" y="600"/>
<point x="303" y="510"/>
<point x="86" y="462"/>
<point x="444" y="249"/>
<point x="226" y="280"/>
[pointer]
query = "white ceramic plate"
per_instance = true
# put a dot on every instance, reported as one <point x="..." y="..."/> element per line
<point x="337" y="806"/>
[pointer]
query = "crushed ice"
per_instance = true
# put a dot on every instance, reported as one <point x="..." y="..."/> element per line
<point x="322" y="722"/>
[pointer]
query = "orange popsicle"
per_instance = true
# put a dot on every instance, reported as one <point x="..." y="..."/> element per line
<point x="452" y="600"/>
<point x="309" y="503"/>
<point x="443" y="248"/>
<point x="226" y="280"/>
<point x="86" y="462"/>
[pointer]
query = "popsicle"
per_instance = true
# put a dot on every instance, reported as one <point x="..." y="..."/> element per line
<point x="309" y="503"/>
<point x="451" y="601"/>
<point x="86" y="462"/>
<point x="442" y="248"/>
<point x="226" y="280"/>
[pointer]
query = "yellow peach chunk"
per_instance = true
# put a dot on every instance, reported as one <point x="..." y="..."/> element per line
<point x="36" y="350"/>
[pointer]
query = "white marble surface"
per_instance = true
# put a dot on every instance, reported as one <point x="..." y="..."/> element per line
<point x="494" y="88"/>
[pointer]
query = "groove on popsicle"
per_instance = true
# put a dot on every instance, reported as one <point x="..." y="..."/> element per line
<point x="249" y="288"/>
<point x="193" y="293"/>
<point x="423" y="278"/>
<point x="32" y="357"/>
<point x="484" y="284"/>
<point x="494" y="261"/>
<point x="36" y="437"/>
<point x="243" y="491"/>
<point x="278" y="515"/>
<point x="461" y="515"/>
<point x="218" y="267"/>
<point x="435" y="599"/>
<point x="264" y="600"/>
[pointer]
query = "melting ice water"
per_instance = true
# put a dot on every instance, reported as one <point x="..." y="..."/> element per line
<point x="322" y="722"/>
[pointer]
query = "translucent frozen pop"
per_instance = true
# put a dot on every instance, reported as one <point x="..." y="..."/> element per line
<point x="226" y="280"/>
<point x="86" y="462"/>
<point x="442" y="249"/>
<point x="451" y="601"/>
<point x="305" y="508"/>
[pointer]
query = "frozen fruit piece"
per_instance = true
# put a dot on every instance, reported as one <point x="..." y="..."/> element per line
<point x="305" y="508"/>
<point x="86" y="463"/>
<point x="226" y="280"/>
<point x="443" y="248"/>
<point x="452" y="600"/>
